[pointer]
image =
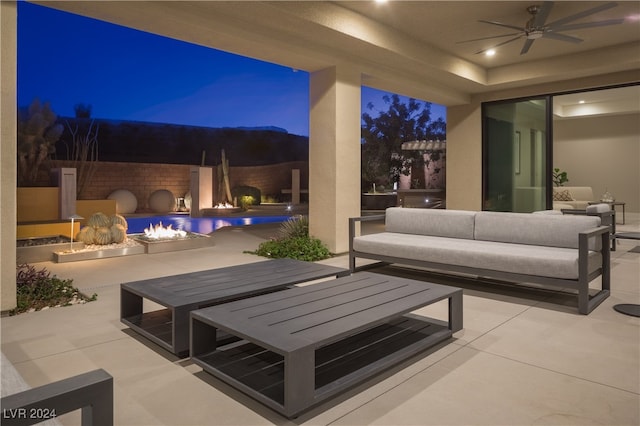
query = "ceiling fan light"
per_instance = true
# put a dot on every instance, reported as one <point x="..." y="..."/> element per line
<point x="534" y="34"/>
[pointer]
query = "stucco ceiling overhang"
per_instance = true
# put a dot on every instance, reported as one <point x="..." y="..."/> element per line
<point x="404" y="47"/>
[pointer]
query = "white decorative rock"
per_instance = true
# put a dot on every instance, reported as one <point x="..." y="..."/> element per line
<point x="126" y="202"/>
<point x="162" y="201"/>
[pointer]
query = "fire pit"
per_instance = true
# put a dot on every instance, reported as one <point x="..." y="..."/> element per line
<point x="221" y="209"/>
<point x="158" y="239"/>
<point x="161" y="239"/>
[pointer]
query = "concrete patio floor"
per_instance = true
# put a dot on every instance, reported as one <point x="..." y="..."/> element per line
<point x="523" y="357"/>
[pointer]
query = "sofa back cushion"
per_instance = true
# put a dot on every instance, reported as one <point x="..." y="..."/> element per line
<point x="434" y="222"/>
<point x="535" y="229"/>
<point x="579" y="193"/>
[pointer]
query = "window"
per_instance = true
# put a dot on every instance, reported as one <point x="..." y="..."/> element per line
<point x="516" y="155"/>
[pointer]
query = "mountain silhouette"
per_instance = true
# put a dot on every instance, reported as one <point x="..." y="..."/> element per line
<point x="145" y="142"/>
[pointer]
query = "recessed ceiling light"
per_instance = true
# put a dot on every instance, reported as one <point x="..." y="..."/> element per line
<point x="580" y="101"/>
<point x="381" y="1"/>
<point x="490" y="52"/>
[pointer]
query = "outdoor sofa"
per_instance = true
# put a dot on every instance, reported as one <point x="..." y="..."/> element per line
<point x="572" y="197"/>
<point x="559" y="251"/>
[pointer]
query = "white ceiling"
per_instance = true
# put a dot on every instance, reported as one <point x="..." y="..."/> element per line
<point x="624" y="100"/>
<point x="407" y="47"/>
<point x="445" y="24"/>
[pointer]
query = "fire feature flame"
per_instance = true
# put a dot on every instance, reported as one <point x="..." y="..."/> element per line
<point x="224" y="205"/>
<point x="160" y="232"/>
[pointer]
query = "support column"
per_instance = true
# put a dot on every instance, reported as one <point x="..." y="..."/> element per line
<point x="8" y="154"/>
<point x="295" y="187"/>
<point x="201" y="187"/>
<point x="334" y="154"/>
<point x="65" y="179"/>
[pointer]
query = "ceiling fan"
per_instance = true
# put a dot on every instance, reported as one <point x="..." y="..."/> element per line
<point x="536" y="27"/>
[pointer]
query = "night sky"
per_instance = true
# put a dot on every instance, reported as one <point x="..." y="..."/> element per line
<point x="125" y="74"/>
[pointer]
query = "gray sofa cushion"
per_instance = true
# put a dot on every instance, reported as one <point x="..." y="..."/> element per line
<point x="555" y="262"/>
<point x="598" y="208"/>
<point x="439" y="223"/>
<point x="535" y="229"/>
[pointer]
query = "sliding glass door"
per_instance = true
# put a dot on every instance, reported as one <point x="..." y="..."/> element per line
<point x="516" y="149"/>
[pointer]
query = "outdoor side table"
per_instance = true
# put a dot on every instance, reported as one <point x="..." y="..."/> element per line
<point x="180" y="294"/>
<point x="303" y="345"/>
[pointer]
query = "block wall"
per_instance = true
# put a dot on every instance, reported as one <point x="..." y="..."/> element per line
<point x="142" y="179"/>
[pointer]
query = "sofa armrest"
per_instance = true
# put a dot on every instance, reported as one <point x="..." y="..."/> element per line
<point x="352" y="232"/>
<point x="367" y="218"/>
<point x="91" y="392"/>
<point x="607" y="218"/>
<point x="584" y="236"/>
<point x="353" y="220"/>
<point x="583" y="249"/>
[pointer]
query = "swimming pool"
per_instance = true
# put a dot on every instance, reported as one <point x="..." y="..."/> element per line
<point x="201" y="225"/>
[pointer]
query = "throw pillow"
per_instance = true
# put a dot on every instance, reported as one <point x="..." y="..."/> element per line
<point x="564" y="195"/>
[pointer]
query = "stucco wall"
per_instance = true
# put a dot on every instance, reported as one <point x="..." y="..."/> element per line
<point x="8" y="119"/>
<point x="464" y="158"/>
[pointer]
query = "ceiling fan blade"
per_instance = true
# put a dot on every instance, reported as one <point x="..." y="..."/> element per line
<point x="490" y="37"/>
<point x="582" y="14"/>
<point x="562" y="37"/>
<point x="588" y="25"/>
<point x="500" y="24"/>
<point x="543" y="14"/>
<point x="526" y="46"/>
<point x="497" y="45"/>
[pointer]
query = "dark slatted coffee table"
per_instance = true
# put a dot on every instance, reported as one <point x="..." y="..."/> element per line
<point x="180" y="294"/>
<point x="303" y="345"/>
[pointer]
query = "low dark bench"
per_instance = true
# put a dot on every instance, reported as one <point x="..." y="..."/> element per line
<point x="306" y="344"/>
<point x="180" y="294"/>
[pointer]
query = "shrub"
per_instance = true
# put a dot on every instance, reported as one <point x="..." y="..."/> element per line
<point x="271" y="199"/>
<point x="37" y="289"/>
<point x="300" y="248"/>
<point x="295" y="226"/>
<point x="294" y="242"/>
<point x="246" y="195"/>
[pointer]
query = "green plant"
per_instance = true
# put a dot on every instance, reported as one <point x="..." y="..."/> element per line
<point x="246" y="200"/>
<point x="249" y="195"/>
<point x="294" y="242"/>
<point x="102" y="229"/>
<point x="559" y="178"/>
<point x="37" y="289"/>
<point x="300" y="248"/>
<point x="270" y="199"/>
<point x="295" y="226"/>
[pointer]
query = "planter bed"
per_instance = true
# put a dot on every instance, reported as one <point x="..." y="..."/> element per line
<point x="41" y="249"/>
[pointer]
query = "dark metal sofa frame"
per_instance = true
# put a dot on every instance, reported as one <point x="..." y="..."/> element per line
<point x="586" y="302"/>
<point x="607" y="218"/>
<point x="92" y="392"/>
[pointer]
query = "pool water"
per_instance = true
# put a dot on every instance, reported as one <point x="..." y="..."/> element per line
<point x="201" y="225"/>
